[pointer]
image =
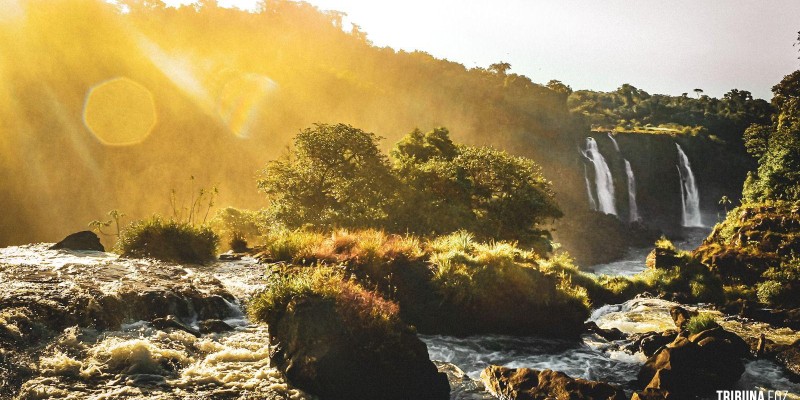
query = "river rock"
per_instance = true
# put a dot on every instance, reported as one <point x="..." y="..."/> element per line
<point x="611" y="334"/>
<point x="789" y="357"/>
<point x="214" y="326"/>
<point x="170" y="322"/>
<point x="650" y="342"/>
<point x="680" y="316"/>
<point x="320" y="354"/>
<point x="662" y="259"/>
<point x="84" y="240"/>
<point x="529" y="384"/>
<point x="693" y="365"/>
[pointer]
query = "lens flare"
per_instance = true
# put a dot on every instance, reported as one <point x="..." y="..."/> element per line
<point x="119" y="112"/>
<point x="241" y="101"/>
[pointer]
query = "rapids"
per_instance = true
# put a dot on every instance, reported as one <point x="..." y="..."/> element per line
<point x="137" y="361"/>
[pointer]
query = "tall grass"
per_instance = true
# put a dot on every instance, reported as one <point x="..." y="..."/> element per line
<point x="168" y="240"/>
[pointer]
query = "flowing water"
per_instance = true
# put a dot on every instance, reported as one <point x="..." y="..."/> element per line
<point x="613" y="141"/>
<point x="604" y="181"/>
<point x="690" y="195"/>
<point x="592" y="201"/>
<point x="138" y="361"/>
<point x="633" y="209"/>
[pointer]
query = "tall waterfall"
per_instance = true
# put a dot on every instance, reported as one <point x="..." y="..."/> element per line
<point x="604" y="182"/>
<point x="592" y="201"/>
<point x="632" y="207"/>
<point x="690" y="197"/>
<point x="616" y="146"/>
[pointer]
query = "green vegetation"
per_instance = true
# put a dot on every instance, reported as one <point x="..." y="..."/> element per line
<point x="336" y="177"/>
<point x="701" y="322"/>
<point x="363" y="312"/>
<point x="168" y="240"/>
<point x="449" y="284"/>
<point x="629" y="109"/>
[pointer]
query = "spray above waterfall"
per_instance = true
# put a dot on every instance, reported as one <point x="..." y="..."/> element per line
<point x="690" y="196"/>
<point x="604" y="181"/>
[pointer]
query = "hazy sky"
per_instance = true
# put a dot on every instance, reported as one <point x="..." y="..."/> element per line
<point x="660" y="46"/>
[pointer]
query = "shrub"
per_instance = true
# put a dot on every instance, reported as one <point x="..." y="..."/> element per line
<point x="665" y="244"/>
<point x="701" y="322"/>
<point x="770" y="292"/>
<point x="168" y="240"/>
<point x="360" y="309"/>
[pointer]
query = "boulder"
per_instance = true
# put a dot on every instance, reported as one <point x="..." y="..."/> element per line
<point x="649" y="343"/>
<point x="525" y="383"/>
<point x="662" y="259"/>
<point x="214" y="326"/>
<point x="171" y="322"/>
<point x="322" y="355"/>
<point x="693" y="365"/>
<point x="84" y="240"/>
<point x="789" y="357"/>
<point x="680" y="316"/>
<point x="611" y="334"/>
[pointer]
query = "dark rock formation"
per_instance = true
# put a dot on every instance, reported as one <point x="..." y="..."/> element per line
<point x="680" y="316"/>
<point x="170" y="322"/>
<point x="214" y="326"/>
<point x="649" y="343"/>
<point x="693" y="365"/>
<point x="529" y="384"/>
<point x="607" y="334"/>
<point x="662" y="259"/>
<point x="789" y="357"/>
<point x="84" y="240"/>
<point x="322" y="355"/>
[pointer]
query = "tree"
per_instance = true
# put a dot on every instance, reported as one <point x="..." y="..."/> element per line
<point x="334" y="177"/>
<point x="698" y="92"/>
<point x="500" y="68"/>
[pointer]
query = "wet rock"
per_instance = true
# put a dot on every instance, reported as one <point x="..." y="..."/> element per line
<point x="680" y="316"/>
<point x="214" y="326"/>
<point x="662" y="259"/>
<point x="693" y="365"/>
<point x="607" y="334"/>
<point x="789" y="358"/>
<point x="649" y="343"/>
<point x="170" y="322"/>
<point x="230" y="256"/>
<point x="525" y="383"/>
<point x="84" y="240"/>
<point x="320" y="354"/>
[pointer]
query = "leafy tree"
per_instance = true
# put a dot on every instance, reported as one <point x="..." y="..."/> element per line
<point x="334" y="177"/>
<point x="500" y="68"/>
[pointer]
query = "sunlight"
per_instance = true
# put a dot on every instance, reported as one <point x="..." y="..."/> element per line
<point x="11" y="11"/>
<point x="240" y="100"/>
<point x="119" y="112"/>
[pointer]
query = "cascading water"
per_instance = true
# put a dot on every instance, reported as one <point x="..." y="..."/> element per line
<point x="690" y="196"/>
<point x="592" y="201"/>
<point x="604" y="181"/>
<point x="633" y="214"/>
<point x="616" y="146"/>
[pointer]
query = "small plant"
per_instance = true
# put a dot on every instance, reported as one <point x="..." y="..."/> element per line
<point x="770" y="292"/>
<point x="701" y="322"/>
<point x="168" y="240"/>
<point x="98" y="225"/>
<point x="665" y="244"/>
<point x="190" y="212"/>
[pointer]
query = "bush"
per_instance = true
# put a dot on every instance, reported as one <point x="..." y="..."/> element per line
<point x="168" y="241"/>
<point x="770" y="292"/>
<point x="701" y="322"/>
<point x="361" y="310"/>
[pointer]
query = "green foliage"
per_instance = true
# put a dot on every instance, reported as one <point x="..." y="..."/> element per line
<point x="334" y="177"/>
<point x="777" y="147"/>
<point x="168" y="241"/>
<point x="664" y="243"/>
<point x="363" y="312"/>
<point x="238" y="226"/>
<point x="701" y="322"/>
<point x="480" y="189"/>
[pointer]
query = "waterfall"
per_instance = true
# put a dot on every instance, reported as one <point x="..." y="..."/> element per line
<point x="616" y="146"/>
<point x="604" y="182"/>
<point x="690" y="197"/>
<point x="592" y="202"/>
<point x="633" y="208"/>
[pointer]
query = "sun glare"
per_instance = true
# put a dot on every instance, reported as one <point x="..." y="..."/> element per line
<point x="241" y="99"/>
<point x="120" y="112"/>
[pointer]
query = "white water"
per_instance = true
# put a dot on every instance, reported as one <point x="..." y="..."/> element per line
<point x="604" y="181"/>
<point x="633" y="214"/>
<point x="592" y="201"/>
<point x="616" y="146"/>
<point x="690" y="196"/>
